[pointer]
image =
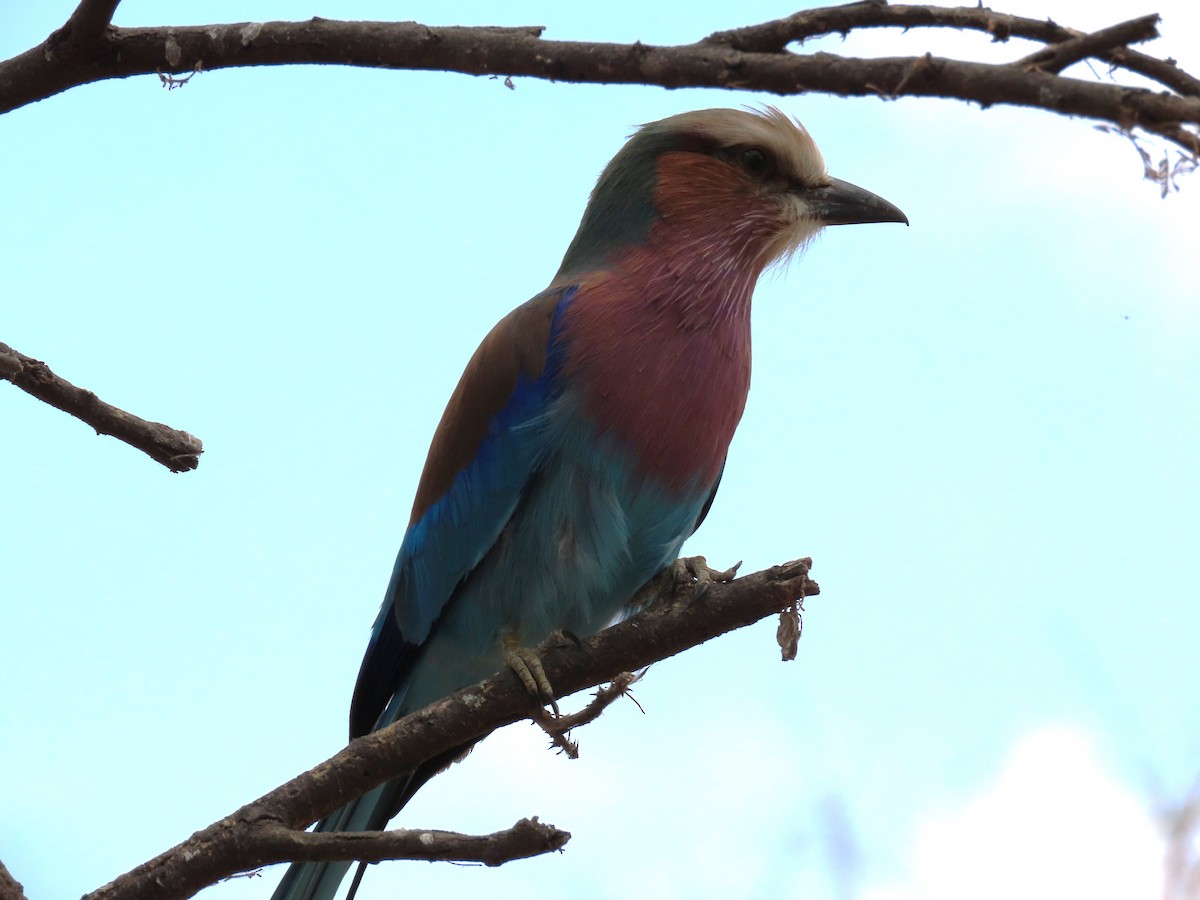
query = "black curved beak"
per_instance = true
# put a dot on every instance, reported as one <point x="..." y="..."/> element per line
<point x="843" y="203"/>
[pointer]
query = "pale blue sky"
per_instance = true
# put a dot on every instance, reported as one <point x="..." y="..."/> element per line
<point x="982" y="427"/>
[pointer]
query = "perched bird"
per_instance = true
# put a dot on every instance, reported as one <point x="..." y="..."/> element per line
<point x="586" y="438"/>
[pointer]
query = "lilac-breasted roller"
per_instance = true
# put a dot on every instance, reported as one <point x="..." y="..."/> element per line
<point x="586" y="438"/>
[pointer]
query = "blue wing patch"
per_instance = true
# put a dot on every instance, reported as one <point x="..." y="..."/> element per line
<point x="455" y="532"/>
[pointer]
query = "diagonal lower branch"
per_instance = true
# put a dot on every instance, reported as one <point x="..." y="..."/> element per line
<point x="177" y="450"/>
<point x="251" y="836"/>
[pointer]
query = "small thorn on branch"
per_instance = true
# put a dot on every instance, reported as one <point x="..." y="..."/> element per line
<point x="919" y="66"/>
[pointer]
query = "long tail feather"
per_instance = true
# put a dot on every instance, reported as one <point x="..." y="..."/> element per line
<point x="319" y="881"/>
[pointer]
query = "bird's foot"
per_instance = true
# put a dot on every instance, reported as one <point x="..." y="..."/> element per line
<point x="695" y="571"/>
<point x="692" y="571"/>
<point x="528" y="666"/>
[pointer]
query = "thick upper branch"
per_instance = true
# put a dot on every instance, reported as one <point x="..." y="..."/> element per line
<point x="747" y="59"/>
<point x="251" y="836"/>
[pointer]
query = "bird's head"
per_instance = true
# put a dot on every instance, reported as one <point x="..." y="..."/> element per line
<point x="744" y="185"/>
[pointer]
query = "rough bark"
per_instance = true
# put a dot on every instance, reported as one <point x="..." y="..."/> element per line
<point x="10" y="888"/>
<point x="270" y="829"/>
<point x="755" y="58"/>
<point x="177" y="450"/>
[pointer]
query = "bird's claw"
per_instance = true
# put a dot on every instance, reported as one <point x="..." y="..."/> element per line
<point x="526" y="663"/>
<point x="692" y="572"/>
<point x="695" y="570"/>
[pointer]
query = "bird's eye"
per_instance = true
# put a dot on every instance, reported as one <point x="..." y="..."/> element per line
<point x="755" y="162"/>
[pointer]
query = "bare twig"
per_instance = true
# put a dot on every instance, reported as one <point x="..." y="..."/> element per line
<point x="557" y="727"/>
<point x="1165" y="71"/>
<point x="249" y="837"/>
<point x="177" y="450"/>
<point x="10" y="888"/>
<point x="526" y="838"/>
<point x="772" y="37"/>
<point x="1059" y="56"/>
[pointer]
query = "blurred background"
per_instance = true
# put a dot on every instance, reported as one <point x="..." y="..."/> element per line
<point x="983" y="429"/>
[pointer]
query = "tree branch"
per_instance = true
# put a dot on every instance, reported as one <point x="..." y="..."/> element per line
<point x="558" y="727"/>
<point x="253" y="835"/>
<point x="1057" y="57"/>
<point x="177" y="450"/>
<point x="526" y="838"/>
<point x="10" y="888"/>
<point x="773" y="37"/>
<point x="1165" y="71"/>
<point x="90" y="19"/>
<point x="83" y="36"/>
<point x="753" y="58"/>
